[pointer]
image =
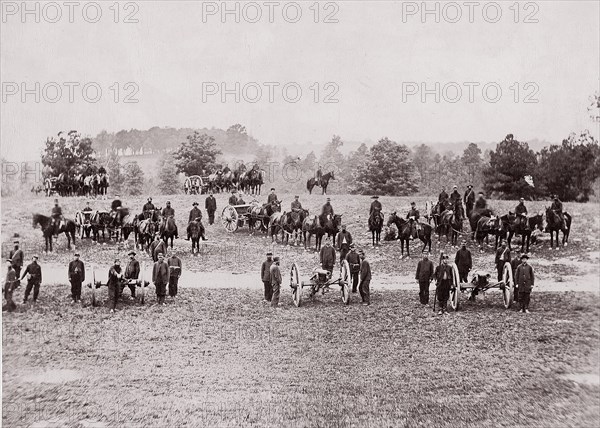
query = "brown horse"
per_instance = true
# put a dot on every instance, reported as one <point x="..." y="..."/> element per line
<point x="322" y="183"/>
<point x="554" y="224"/>
<point x="49" y="229"/>
<point x="312" y="226"/>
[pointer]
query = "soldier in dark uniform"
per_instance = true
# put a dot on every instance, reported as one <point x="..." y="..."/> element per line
<point x="265" y="276"/>
<point x="443" y="276"/>
<point x="87" y="212"/>
<point x="160" y="248"/>
<point x="318" y="175"/>
<point x="167" y="212"/>
<point x="160" y="278"/>
<point x="17" y="256"/>
<point x="57" y="216"/>
<point x="480" y="203"/>
<point x="375" y="205"/>
<point x="557" y="207"/>
<point x="115" y="207"/>
<point x="153" y="245"/>
<point x="327" y="210"/>
<point x="296" y="205"/>
<point x="502" y="256"/>
<point x="469" y="199"/>
<point x="114" y="284"/>
<point x="414" y="212"/>
<point x="275" y="281"/>
<point x="514" y="264"/>
<point x="10" y="283"/>
<point x="521" y="212"/>
<point x="132" y="271"/>
<point x="442" y="201"/>
<point x="272" y="196"/>
<point x="365" y="279"/>
<point x="327" y="256"/>
<point x="455" y="197"/>
<point x="211" y="206"/>
<point x="195" y="213"/>
<point x="343" y="239"/>
<point x="353" y="260"/>
<point x="240" y="200"/>
<point x="34" y="270"/>
<point x="525" y="280"/>
<point x="424" y="276"/>
<point x="233" y="198"/>
<point x="76" y="277"/>
<point x="464" y="262"/>
<point x="148" y="208"/>
<point x="175" y="267"/>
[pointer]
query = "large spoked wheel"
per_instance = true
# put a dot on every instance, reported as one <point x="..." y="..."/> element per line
<point x="509" y="285"/>
<point x="79" y="224"/>
<point x="345" y="282"/>
<point x="295" y="285"/>
<point x="455" y="289"/>
<point x="229" y="219"/>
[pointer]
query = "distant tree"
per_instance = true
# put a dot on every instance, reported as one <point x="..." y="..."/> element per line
<point x="422" y="157"/>
<point x="331" y="157"/>
<point x="133" y="179"/>
<point x="357" y="159"/>
<point x="473" y="164"/>
<point x="196" y="154"/>
<point x="68" y="153"/>
<point x="570" y="169"/>
<point x="168" y="180"/>
<point x="510" y="163"/>
<point x="114" y="170"/>
<point x="389" y="171"/>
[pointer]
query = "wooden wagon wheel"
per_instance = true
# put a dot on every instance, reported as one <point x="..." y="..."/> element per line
<point x="79" y="224"/>
<point x="455" y="288"/>
<point x="296" y="285"/>
<point x="345" y="282"/>
<point x="229" y="219"/>
<point x="508" y="287"/>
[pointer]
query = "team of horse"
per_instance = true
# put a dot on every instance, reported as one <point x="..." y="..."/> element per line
<point x="90" y="185"/>
<point x="225" y="180"/>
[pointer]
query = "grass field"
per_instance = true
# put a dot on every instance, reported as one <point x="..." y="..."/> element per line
<point x="219" y="357"/>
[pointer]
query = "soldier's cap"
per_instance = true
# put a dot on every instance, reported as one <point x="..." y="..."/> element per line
<point x="35" y="256"/>
<point x="361" y="252"/>
<point x="168" y="202"/>
<point x="194" y="204"/>
<point x="374" y="197"/>
<point x="524" y="256"/>
<point x="328" y="199"/>
<point x="412" y="203"/>
<point x="272" y="188"/>
<point x="481" y="193"/>
<point x="270" y="253"/>
<point x="343" y="226"/>
<point x="522" y="199"/>
<point x="276" y="258"/>
<point x="464" y="242"/>
<point x="160" y="255"/>
<point x="76" y="254"/>
<point x="469" y="185"/>
<point x="56" y="201"/>
<point x="455" y="187"/>
<point x="15" y="241"/>
<point x="353" y="246"/>
<point x="149" y="198"/>
<point x="131" y="253"/>
<point x="117" y="261"/>
<point x="296" y="196"/>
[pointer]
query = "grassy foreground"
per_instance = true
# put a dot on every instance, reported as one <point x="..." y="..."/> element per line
<point x="221" y="358"/>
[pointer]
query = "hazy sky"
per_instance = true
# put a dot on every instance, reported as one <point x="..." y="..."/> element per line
<point x="370" y="56"/>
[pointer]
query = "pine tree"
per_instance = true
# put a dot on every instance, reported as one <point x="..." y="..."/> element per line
<point x="133" y="179"/>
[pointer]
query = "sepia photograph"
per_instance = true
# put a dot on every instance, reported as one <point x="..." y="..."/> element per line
<point x="300" y="214"/>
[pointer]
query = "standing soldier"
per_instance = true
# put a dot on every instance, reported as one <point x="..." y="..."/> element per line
<point x="160" y="278"/>
<point x="344" y="239"/>
<point x="10" y="283"/>
<point x="195" y="213"/>
<point x="76" y="277"/>
<point x="480" y="203"/>
<point x="296" y="205"/>
<point x="424" y="276"/>
<point x="114" y="284"/>
<point x="265" y="276"/>
<point x="272" y="196"/>
<point x="353" y="260"/>
<point x="161" y="248"/>
<point x="233" y="198"/>
<point x="464" y="262"/>
<point x="175" y="266"/>
<point x="454" y="196"/>
<point x="211" y="206"/>
<point x="525" y="281"/>
<point x="442" y="201"/>
<point x="502" y="256"/>
<point x="443" y="275"/>
<point x="34" y="270"/>
<point x="327" y="256"/>
<point x="132" y="271"/>
<point x="275" y="282"/>
<point x="167" y="212"/>
<point x="16" y="255"/>
<point x="153" y="245"/>
<point x="365" y="279"/>
<point x="375" y="205"/>
<point x="514" y="264"/>
<point x="469" y="199"/>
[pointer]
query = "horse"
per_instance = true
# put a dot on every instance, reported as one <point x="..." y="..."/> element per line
<point x="99" y="221"/>
<point x="276" y="223"/>
<point x="144" y="232"/>
<point x="312" y="226"/>
<point x="227" y="179"/>
<point x="196" y="231"/>
<point x="215" y="182"/>
<point x="262" y="214"/>
<point x="168" y="229"/>
<point x="102" y="185"/>
<point x="322" y="183"/>
<point x="66" y="226"/>
<point x="406" y="229"/>
<point x="523" y="228"/>
<point x="489" y="226"/>
<point x="451" y="223"/>
<point x="476" y="214"/>
<point x="554" y="224"/>
<point x="331" y="225"/>
<point x="375" y="226"/>
<point x="291" y="224"/>
<point x="116" y="224"/>
<point x="128" y="224"/>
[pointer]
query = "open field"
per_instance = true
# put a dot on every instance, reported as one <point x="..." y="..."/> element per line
<point x="219" y="358"/>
